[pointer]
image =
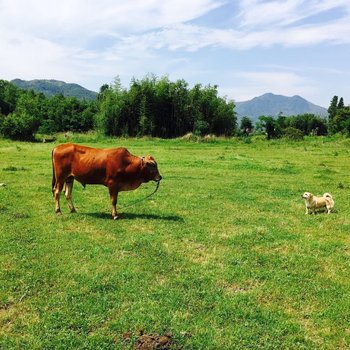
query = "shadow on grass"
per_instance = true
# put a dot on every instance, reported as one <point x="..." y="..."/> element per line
<point x="133" y="216"/>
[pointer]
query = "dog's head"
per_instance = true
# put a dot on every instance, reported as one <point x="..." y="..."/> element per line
<point x="307" y="196"/>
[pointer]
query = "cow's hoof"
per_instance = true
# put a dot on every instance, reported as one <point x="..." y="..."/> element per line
<point x="73" y="210"/>
<point x="58" y="212"/>
<point x="115" y="217"/>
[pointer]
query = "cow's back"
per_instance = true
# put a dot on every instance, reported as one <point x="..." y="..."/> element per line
<point x="86" y="164"/>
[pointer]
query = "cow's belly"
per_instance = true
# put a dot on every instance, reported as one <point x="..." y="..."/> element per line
<point x="90" y="178"/>
<point x="129" y="186"/>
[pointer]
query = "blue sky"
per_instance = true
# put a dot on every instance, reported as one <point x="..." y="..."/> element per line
<point x="246" y="47"/>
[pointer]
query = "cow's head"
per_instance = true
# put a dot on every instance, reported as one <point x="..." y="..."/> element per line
<point x="150" y="169"/>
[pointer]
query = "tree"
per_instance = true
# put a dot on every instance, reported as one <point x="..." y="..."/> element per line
<point x="8" y="97"/>
<point x="308" y="124"/>
<point x="341" y="121"/>
<point x="246" y="125"/>
<point x="24" y="121"/>
<point x="332" y="109"/>
<point x="103" y="88"/>
<point x="162" y="108"/>
<point x="270" y="126"/>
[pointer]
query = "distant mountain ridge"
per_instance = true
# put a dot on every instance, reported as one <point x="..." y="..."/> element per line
<point x="272" y="105"/>
<point x="55" y="87"/>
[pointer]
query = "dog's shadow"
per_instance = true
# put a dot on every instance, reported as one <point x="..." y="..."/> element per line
<point x="324" y="212"/>
<point x="133" y="216"/>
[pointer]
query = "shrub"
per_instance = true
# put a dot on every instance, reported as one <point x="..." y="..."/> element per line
<point x="293" y="134"/>
<point x="190" y="137"/>
<point x="19" y="126"/>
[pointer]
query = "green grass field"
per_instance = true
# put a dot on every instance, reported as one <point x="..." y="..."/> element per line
<point x="222" y="257"/>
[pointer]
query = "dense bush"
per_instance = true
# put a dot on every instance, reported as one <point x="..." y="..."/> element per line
<point x="293" y="134"/>
<point x="20" y="126"/>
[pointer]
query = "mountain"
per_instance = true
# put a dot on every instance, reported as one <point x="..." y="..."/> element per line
<point x="55" y="87"/>
<point x="272" y="105"/>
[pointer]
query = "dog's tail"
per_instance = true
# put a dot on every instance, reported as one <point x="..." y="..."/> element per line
<point x="329" y="200"/>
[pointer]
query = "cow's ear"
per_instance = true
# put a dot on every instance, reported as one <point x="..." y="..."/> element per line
<point x="150" y="162"/>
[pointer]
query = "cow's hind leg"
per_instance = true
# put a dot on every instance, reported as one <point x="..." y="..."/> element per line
<point x="68" y="193"/>
<point x="57" y="193"/>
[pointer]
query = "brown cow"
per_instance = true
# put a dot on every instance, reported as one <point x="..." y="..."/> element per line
<point x="115" y="168"/>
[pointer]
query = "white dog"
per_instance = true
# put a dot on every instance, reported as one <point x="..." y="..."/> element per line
<point x="312" y="202"/>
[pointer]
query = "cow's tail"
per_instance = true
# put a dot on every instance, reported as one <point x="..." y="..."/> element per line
<point x="53" y="174"/>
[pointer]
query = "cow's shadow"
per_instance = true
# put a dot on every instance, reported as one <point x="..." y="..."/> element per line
<point x="133" y="216"/>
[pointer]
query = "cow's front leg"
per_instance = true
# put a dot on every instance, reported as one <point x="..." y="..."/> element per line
<point x="114" y="198"/>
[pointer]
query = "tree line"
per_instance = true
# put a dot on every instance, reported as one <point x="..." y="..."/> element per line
<point x="23" y="113"/>
<point x="296" y="127"/>
<point x="152" y="106"/>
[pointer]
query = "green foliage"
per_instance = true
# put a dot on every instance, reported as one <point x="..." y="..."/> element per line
<point x="161" y="108"/>
<point x="340" y="103"/>
<point x="332" y="109"/>
<point x="68" y="114"/>
<point x="19" y="126"/>
<point x="8" y="97"/>
<point x="270" y="126"/>
<point x="293" y="133"/>
<point x="246" y="126"/>
<point x="307" y="124"/>
<point x="24" y="112"/>
<point x="339" y="116"/>
<point x="341" y="121"/>
<point x="152" y="106"/>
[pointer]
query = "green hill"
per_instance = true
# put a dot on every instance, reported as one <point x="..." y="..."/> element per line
<point x="55" y="87"/>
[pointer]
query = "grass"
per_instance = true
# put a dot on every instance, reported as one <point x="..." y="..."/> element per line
<point x="222" y="257"/>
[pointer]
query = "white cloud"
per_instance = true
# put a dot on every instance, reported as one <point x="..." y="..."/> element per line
<point x="257" y="13"/>
<point x="90" y="42"/>
<point x="90" y="17"/>
<point x="31" y="57"/>
<point x="193" y="38"/>
<point x="41" y="38"/>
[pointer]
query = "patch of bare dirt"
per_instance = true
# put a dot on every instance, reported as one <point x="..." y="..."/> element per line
<point x="153" y="341"/>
